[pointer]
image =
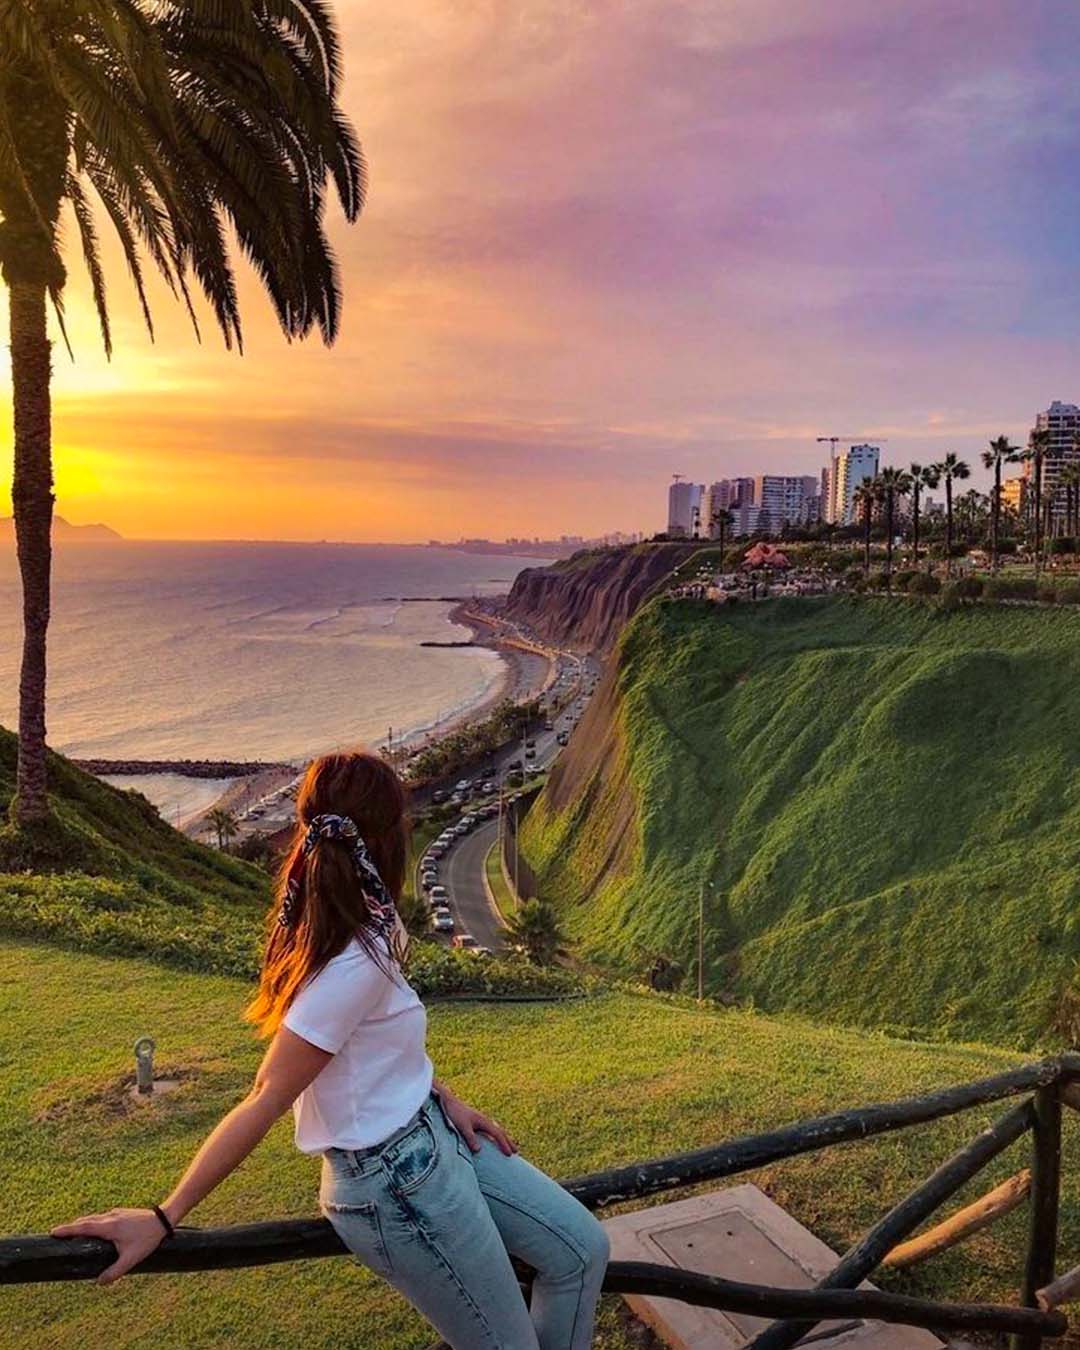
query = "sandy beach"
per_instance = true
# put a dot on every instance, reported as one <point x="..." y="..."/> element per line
<point x="529" y="669"/>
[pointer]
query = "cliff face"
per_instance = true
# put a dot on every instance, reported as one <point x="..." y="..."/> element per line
<point x="874" y="801"/>
<point x="586" y="601"/>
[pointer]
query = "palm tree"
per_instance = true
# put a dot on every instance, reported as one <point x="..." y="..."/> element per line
<point x="224" y="825"/>
<point x="949" y="471"/>
<point x="864" y="499"/>
<point x="721" y="521"/>
<point x="922" y="476"/>
<point x="1035" y="455"/>
<point x="1069" y="480"/>
<point x="535" y="927"/>
<point x="185" y="122"/>
<point x="893" y="483"/>
<point x="1001" y="452"/>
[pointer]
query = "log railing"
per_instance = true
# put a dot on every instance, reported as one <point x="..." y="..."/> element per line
<point x="1044" y="1086"/>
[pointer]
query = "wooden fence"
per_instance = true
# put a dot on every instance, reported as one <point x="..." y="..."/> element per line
<point x="1043" y="1088"/>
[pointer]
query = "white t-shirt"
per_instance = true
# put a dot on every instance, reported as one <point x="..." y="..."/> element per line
<point x="374" y="1025"/>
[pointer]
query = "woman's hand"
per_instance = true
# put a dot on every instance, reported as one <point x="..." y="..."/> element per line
<point x="135" y="1233"/>
<point x="469" y="1123"/>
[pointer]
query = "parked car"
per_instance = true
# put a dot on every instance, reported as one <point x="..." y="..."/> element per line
<point x="563" y="738"/>
<point x="530" y="754"/>
<point x="488" y="788"/>
<point x="465" y="940"/>
<point x="549" y="726"/>
<point x="439" y="895"/>
<point x="436" y="851"/>
<point x="439" y="796"/>
<point x="515" y="764"/>
<point x="443" y="922"/>
<point x="530" y="744"/>
<point x="463" y="786"/>
<point x="428" y="880"/>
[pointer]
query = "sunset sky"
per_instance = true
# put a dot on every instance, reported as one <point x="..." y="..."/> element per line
<point x="607" y="240"/>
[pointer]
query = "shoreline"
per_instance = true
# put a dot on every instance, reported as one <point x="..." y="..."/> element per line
<point x="528" y="670"/>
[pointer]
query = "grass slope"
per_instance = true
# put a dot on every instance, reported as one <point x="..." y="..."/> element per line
<point x="109" y="874"/>
<point x="583" y="1086"/>
<point x="881" y="800"/>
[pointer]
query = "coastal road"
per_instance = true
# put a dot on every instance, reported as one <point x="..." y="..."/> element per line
<point x="463" y="874"/>
<point x="462" y="871"/>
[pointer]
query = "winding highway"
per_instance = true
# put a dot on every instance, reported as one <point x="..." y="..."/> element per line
<point x="462" y="869"/>
<point x="463" y="874"/>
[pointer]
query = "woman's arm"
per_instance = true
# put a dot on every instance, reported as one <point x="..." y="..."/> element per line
<point x="471" y="1122"/>
<point x="289" y="1065"/>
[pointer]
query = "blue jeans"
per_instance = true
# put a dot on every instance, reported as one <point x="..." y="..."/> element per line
<point x="439" y="1223"/>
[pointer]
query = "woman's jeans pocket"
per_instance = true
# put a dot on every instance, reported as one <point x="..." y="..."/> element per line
<point x="360" y="1229"/>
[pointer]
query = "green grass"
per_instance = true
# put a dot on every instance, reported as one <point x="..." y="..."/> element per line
<point x="882" y="800"/>
<point x="583" y="1086"/>
<point x="108" y="874"/>
<point x="504" y="897"/>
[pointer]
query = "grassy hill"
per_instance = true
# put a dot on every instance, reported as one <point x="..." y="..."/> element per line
<point x="881" y="800"/>
<point x="583" y="1086"/>
<point x="108" y="874"/>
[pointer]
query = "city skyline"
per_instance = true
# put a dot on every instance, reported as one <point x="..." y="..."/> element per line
<point x="604" y="243"/>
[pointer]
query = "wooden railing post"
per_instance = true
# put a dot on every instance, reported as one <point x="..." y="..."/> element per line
<point x="1045" y="1198"/>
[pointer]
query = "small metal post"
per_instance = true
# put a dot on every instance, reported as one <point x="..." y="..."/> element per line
<point x="144" y="1065"/>
<point x="1045" y="1196"/>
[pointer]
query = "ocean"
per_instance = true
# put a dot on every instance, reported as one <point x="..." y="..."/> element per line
<point x="250" y="651"/>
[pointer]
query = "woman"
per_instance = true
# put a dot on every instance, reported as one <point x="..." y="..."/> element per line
<point x="424" y="1189"/>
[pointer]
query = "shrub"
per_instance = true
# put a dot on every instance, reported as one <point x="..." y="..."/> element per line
<point x="902" y="579"/>
<point x="951" y="597"/>
<point x="1069" y="593"/>
<point x="922" y="583"/>
<point x="1064" y="543"/>
<point x="968" y="588"/>
<point x="1010" y="588"/>
<point x="1046" y="593"/>
<point x="878" y="581"/>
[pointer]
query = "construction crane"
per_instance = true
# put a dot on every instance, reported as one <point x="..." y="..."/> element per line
<point x="833" y="441"/>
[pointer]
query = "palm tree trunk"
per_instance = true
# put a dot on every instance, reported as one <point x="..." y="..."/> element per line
<point x="948" y="526"/>
<point x="915" y="523"/>
<point x="32" y="497"/>
<point x="888" y="539"/>
<point x="1038" y="515"/>
<point x="994" y="514"/>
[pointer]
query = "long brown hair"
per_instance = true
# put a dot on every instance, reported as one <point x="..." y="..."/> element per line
<point x="330" y="908"/>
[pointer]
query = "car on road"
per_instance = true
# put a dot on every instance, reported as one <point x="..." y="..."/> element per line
<point x="439" y="895"/>
<point x="549" y="726"/>
<point x="514" y="766"/>
<point x="563" y="738"/>
<point x="530" y="744"/>
<point x="530" y="754"/>
<point x="443" y="922"/>
<point x="465" y="941"/>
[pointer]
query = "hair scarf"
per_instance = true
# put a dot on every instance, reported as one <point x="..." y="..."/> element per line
<point x="381" y="910"/>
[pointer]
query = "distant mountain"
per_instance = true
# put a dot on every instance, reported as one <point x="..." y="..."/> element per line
<point x="66" y="533"/>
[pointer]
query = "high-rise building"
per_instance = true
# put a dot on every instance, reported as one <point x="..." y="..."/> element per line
<point x="1014" y="495"/>
<point x="847" y="469"/>
<point x="1062" y="421"/>
<point x="684" y="510"/>
<point x="788" y="499"/>
<point x="742" y="492"/>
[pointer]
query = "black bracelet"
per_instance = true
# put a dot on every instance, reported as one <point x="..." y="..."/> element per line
<point x="170" y="1231"/>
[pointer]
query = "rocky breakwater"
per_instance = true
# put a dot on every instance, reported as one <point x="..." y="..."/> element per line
<point x="585" y="601"/>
